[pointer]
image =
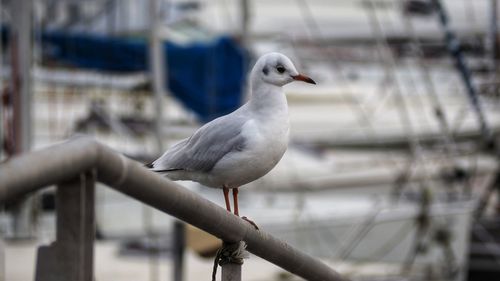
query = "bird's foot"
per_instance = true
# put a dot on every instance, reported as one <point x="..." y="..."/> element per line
<point x="251" y="222"/>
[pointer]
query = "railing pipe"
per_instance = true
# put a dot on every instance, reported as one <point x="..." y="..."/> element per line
<point x="62" y="162"/>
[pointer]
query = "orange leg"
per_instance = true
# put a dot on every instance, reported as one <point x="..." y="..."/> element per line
<point x="235" y="200"/>
<point x="226" y="198"/>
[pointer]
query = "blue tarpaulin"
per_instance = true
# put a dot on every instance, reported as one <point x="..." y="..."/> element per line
<point x="205" y="77"/>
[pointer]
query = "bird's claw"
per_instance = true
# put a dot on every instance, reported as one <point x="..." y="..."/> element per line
<point x="251" y="222"/>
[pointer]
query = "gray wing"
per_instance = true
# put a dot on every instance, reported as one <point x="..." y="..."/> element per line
<point x="205" y="147"/>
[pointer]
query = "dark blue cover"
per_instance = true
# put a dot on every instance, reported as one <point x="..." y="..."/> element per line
<point x="205" y="77"/>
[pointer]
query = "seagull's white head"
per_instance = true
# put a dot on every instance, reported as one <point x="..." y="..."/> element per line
<point x="277" y="69"/>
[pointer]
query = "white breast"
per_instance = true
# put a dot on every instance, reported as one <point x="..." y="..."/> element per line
<point x="266" y="142"/>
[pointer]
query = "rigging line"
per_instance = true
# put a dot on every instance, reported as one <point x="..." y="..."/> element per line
<point x="384" y="94"/>
<point x="388" y="246"/>
<point x="491" y="43"/>
<point x="470" y="12"/>
<point x="364" y="228"/>
<point x="490" y="242"/>
<point x="325" y="227"/>
<point x="402" y="179"/>
<point x="392" y="242"/>
<point x="451" y="150"/>
<point x="430" y="87"/>
<point x="412" y="84"/>
<point x="298" y="211"/>
<point x="313" y="27"/>
<point x="485" y="197"/>
<point x="431" y="91"/>
<point x="455" y="51"/>
<point x="474" y="172"/>
<point x="461" y="116"/>
<point x="422" y="221"/>
<point x="2" y="105"/>
<point x="364" y="122"/>
<point x="389" y="65"/>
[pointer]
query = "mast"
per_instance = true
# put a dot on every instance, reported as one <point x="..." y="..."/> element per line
<point x="157" y="78"/>
<point x="21" y="48"/>
<point x="492" y="43"/>
<point x="157" y="63"/>
<point x="456" y="52"/>
<point x="21" y="73"/>
<point x="2" y="105"/>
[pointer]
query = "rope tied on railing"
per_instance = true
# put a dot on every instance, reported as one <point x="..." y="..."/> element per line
<point x="229" y="253"/>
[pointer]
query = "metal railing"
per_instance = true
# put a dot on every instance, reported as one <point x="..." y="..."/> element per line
<point x="75" y="166"/>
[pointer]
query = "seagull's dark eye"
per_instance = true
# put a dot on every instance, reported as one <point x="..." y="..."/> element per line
<point x="280" y="68"/>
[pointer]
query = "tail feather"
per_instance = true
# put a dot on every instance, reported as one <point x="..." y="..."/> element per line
<point x="151" y="167"/>
<point x="166" y="170"/>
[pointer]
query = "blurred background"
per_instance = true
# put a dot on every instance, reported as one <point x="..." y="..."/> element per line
<point x="391" y="171"/>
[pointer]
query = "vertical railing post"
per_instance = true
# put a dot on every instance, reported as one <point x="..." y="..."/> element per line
<point x="21" y="94"/>
<point x="179" y="245"/>
<point x="231" y="272"/>
<point x="230" y="257"/>
<point x="70" y="257"/>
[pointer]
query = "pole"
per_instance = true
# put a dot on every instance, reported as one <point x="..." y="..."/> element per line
<point x="492" y="47"/>
<point x="245" y="21"/>
<point x="179" y="243"/>
<point x="455" y="50"/>
<point x="21" y="47"/>
<point x="2" y="106"/>
<point x="231" y="272"/>
<point x="157" y="63"/>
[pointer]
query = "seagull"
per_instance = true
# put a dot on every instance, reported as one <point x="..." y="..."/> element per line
<point x="244" y="145"/>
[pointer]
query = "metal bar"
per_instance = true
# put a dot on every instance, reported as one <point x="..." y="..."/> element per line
<point x="21" y="72"/>
<point x="179" y="244"/>
<point x="431" y="91"/>
<point x="22" y="103"/>
<point x="456" y="52"/>
<point x="492" y="40"/>
<point x="2" y="259"/>
<point x="245" y="21"/>
<point x="152" y="236"/>
<point x="3" y="106"/>
<point x="33" y="171"/>
<point x="70" y="257"/>
<point x="486" y="196"/>
<point x="157" y="64"/>
<point x="231" y="272"/>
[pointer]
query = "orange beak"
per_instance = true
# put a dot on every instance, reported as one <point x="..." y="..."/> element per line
<point x="304" y="78"/>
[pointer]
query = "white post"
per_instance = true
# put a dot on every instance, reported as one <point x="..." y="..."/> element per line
<point x="157" y="63"/>
<point x="245" y="21"/>
<point x="157" y="78"/>
<point x="21" y="71"/>
<point x="492" y="39"/>
<point x="2" y="109"/>
<point x="21" y="47"/>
